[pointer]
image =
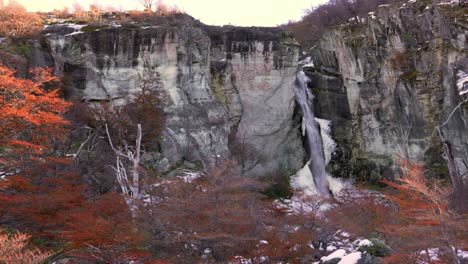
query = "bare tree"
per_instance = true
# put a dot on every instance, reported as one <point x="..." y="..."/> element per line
<point x="132" y="154"/>
<point x="220" y="212"/>
<point x="16" y="22"/>
<point x="147" y="5"/>
<point x="460" y="188"/>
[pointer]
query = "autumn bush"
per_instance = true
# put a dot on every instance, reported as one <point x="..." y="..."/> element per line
<point x="221" y="212"/>
<point x="424" y="220"/>
<point x="16" y="22"/>
<point x="15" y="249"/>
<point x="43" y="192"/>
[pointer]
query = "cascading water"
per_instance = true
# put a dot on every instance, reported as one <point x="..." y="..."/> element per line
<point x="316" y="161"/>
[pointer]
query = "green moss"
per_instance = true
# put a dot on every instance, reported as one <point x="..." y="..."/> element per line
<point x="316" y="90"/>
<point x="218" y="81"/>
<point x="90" y="28"/>
<point x="410" y="76"/>
<point x="456" y="13"/>
<point x="20" y="48"/>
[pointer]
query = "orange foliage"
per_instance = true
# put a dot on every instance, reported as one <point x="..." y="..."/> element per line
<point x="51" y="203"/>
<point x="360" y="212"/>
<point x="14" y="249"/>
<point x="31" y="114"/>
<point x="16" y="22"/>
<point x="423" y="220"/>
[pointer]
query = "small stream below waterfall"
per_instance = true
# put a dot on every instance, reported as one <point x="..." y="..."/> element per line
<point x="313" y="178"/>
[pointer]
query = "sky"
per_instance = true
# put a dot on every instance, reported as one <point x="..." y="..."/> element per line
<point x="213" y="12"/>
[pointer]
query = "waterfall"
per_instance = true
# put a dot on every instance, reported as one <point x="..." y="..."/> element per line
<point x="311" y="129"/>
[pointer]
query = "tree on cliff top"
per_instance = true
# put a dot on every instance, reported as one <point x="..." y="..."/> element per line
<point x="16" y="22"/>
<point x="147" y="5"/>
<point x="316" y="20"/>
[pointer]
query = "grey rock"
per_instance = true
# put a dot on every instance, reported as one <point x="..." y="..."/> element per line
<point x="387" y="83"/>
<point x="331" y="261"/>
<point x="163" y="165"/>
<point x="219" y="83"/>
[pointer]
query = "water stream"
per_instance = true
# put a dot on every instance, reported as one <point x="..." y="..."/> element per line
<point x="316" y="161"/>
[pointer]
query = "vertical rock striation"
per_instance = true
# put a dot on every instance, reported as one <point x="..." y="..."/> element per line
<point x="220" y="84"/>
<point x="388" y="82"/>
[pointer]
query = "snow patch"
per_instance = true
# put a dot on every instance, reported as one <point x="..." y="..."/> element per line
<point x="450" y="2"/>
<point x="74" y="33"/>
<point x="462" y="254"/>
<point x="352" y="258"/>
<point x="304" y="181"/>
<point x="241" y="260"/>
<point x="430" y="253"/>
<point x="340" y="253"/>
<point x="364" y="243"/>
<point x="189" y="176"/>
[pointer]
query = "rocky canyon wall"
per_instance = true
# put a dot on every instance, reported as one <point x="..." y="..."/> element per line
<point x="222" y="86"/>
<point x="388" y="81"/>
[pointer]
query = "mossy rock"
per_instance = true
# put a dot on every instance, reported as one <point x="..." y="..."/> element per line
<point x="410" y="76"/>
<point x="90" y="28"/>
<point x="377" y="249"/>
<point x="21" y="48"/>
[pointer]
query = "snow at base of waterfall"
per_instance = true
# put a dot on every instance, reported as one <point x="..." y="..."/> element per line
<point x="303" y="181"/>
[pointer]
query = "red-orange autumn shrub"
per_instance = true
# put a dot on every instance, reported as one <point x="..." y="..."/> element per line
<point x="31" y="117"/>
<point x="424" y="222"/>
<point x="14" y="249"/>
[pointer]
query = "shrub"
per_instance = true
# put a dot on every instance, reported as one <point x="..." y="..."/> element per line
<point x="16" y="22"/>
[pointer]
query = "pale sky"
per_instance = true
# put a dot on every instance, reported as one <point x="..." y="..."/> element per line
<point x="213" y="12"/>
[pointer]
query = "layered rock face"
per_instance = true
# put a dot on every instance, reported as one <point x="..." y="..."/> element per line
<point x="388" y="82"/>
<point x="253" y="76"/>
<point x="219" y="84"/>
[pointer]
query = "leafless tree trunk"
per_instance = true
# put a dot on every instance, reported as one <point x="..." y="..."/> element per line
<point x="455" y="176"/>
<point x="132" y="155"/>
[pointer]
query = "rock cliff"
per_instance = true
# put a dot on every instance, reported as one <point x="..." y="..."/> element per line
<point x="221" y="86"/>
<point x="388" y="81"/>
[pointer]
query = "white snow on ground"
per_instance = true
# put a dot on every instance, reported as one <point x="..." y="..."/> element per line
<point x="450" y="2"/>
<point x="76" y="27"/>
<point x="462" y="82"/>
<point x="241" y="260"/>
<point x="340" y="253"/>
<point x="304" y="181"/>
<point x="432" y="253"/>
<point x="462" y="254"/>
<point x="189" y="176"/>
<point x="352" y="258"/>
<point x="364" y="242"/>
